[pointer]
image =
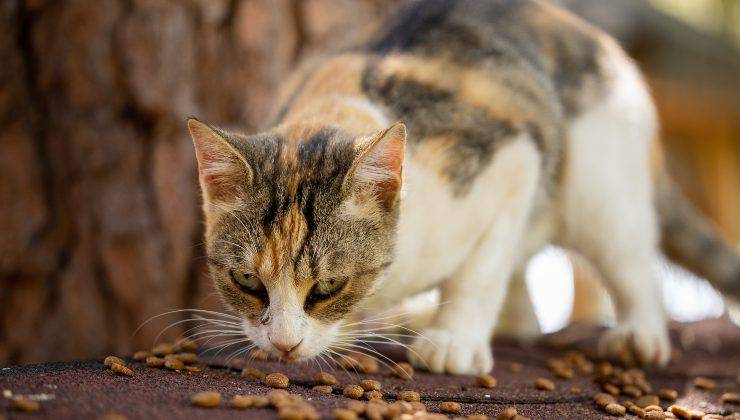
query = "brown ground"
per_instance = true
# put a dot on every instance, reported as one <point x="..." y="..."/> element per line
<point x="85" y="389"/>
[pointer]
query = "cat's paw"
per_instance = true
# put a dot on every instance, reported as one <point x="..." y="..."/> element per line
<point x="443" y="351"/>
<point x="644" y="342"/>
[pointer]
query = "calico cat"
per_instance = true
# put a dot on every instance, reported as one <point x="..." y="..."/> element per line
<point x="445" y="152"/>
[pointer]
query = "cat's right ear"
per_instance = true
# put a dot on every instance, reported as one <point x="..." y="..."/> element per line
<point x="222" y="170"/>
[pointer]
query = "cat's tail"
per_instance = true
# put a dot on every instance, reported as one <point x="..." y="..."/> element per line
<point x="691" y="240"/>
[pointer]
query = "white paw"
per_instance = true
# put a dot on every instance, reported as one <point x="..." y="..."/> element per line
<point x="443" y="351"/>
<point x="645" y="342"/>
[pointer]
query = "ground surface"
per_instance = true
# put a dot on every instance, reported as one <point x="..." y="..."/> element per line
<point x="85" y="389"/>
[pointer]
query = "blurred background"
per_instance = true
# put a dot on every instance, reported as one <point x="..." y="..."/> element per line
<point x="100" y="226"/>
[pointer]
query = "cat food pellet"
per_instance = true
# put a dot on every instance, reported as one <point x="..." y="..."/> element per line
<point x="705" y="383"/>
<point x="669" y="415"/>
<point x="353" y="391"/>
<point x="241" y="401"/>
<point x="397" y="408"/>
<point x="187" y="358"/>
<point x="141" y="356"/>
<point x="615" y="409"/>
<point x="253" y="373"/>
<point x="366" y="364"/>
<point x="653" y="408"/>
<point x="276" y="380"/>
<point x="603" y="399"/>
<point x="404" y="370"/>
<point x="486" y="381"/>
<point x="290" y="413"/>
<point x="564" y="373"/>
<point x="418" y="406"/>
<point x="611" y="389"/>
<point x="121" y="369"/>
<point x="697" y="414"/>
<point x="206" y="399"/>
<point x="604" y="369"/>
<point x="373" y="395"/>
<point x="647" y="400"/>
<point x="324" y="389"/>
<point x="634" y="409"/>
<point x="731" y="398"/>
<point x="192" y="369"/>
<point x="478" y="417"/>
<point x="276" y="396"/>
<point x="516" y="367"/>
<point x="113" y="359"/>
<point x="186" y="344"/>
<point x="370" y="385"/>
<point x="356" y="406"/>
<point x="349" y="363"/>
<point x="375" y="411"/>
<point x="173" y="363"/>
<point x="154" y="361"/>
<point x="27" y="406"/>
<point x="680" y="412"/>
<point x="544" y="384"/>
<point x="326" y="378"/>
<point x="163" y="349"/>
<point x="408" y="396"/>
<point x="668" y="394"/>
<point x="509" y="413"/>
<point x="260" y="401"/>
<point x="653" y="415"/>
<point x="631" y="391"/>
<point x="260" y="355"/>
<point x="344" y="414"/>
<point x="450" y="407"/>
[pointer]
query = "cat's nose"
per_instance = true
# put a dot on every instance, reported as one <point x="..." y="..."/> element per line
<point x="286" y="347"/>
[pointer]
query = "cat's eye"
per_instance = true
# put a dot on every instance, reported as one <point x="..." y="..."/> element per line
<point x="324" y="289"/>
<point x="248" y="283"/>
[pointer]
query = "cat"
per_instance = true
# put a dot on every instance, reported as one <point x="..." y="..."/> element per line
<point x="443" y="153"/>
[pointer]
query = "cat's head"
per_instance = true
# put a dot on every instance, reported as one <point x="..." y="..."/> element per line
<point x="300" y="225"/>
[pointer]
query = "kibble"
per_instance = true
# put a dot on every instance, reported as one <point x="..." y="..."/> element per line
<point x="276" y="396"/>
<point x="277" y="380"/>
<point x="477" y="417"/>
<point x="356" y="406"/>
<point x="187" y="358"/>
<point x="260" y="401"/>
<point x="654" y="415"/>
<point x="154" y="361"/>
<point x="370" y="385"/>
<point x="731" y="398"/>
<point x="192" y="369"/>
<point x="509" y="413"/>
<point x="206" y="399"/>
<point x="653" y="408"/>
<point x="163" y="349"/>
<point x="634" y="409"/>
<point x="373" y="395"/>
<point x="450" y="407"/>
<point x="604" y="369"/>
<point x="110" y="360"/>
<point x="27" y="406"/>
<point x="326" y="378"/>
<point x="564" y="373"/>
<point x="615" y="409"/>
<point x="344" y="414"/>
<point x="486" y="381"/>
<point x="141" y="356"/>
<point x="418" y="406"/>
<point x="632" y="391"/>
<point x="544" y="384"/>
<point x="121" y="369"/>
<point x="408" y="396"/>
<point x="603" y="399"/>
<point x="173" y="363"/>
<point x="366" y="364"/>
<point x="680" y="412"/>
<point x="397" y="408"/>
<point x="404" y="370"/>
<point x="186" y="344"/>
<point x="705" y="383"/>
<point x="353" y="391"/>
<point x="241" y="401"/>
<point x="324" y="389"/>
<point x="647" y="400"/>
<point x="253" y="373"/>
<point x="260" y="355"/>
<point x="668" y="394"/>
<point x="611" y="389"/>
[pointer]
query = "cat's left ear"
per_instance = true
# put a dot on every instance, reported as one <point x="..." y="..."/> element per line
<point x="378" y="164"/>
<point x="222" y="170"/>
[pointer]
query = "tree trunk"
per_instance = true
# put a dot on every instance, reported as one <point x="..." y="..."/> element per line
<point x="100" y="218"/>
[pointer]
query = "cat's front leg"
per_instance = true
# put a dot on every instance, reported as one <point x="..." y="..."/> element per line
<point x="458" y="340"/>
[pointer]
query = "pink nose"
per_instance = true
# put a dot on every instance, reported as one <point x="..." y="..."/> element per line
<point x="286" y="347"/>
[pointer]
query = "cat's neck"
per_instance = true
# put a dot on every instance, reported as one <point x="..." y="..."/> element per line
<point x="356" y="115"/>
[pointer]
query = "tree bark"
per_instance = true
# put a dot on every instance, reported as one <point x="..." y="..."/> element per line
<point x="100" y="218"/>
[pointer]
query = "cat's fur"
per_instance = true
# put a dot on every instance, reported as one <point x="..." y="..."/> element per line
<point x="526" y="126"/>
